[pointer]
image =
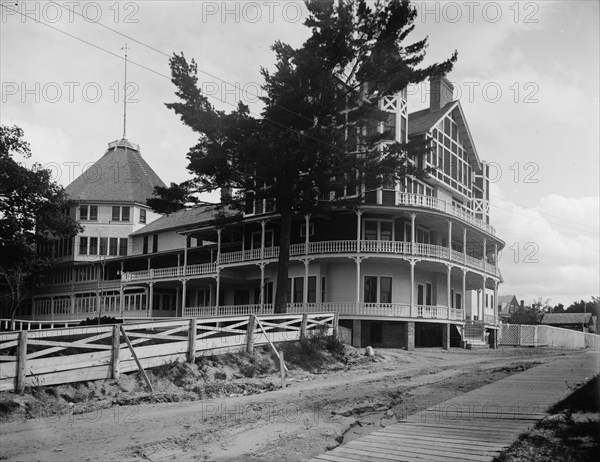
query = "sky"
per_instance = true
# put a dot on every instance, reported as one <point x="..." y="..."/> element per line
<point x="527" y="76"/>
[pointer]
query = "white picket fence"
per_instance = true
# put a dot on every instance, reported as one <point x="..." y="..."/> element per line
<point x="541" y="335"/>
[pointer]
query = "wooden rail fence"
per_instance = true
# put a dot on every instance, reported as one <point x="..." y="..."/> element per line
<point x="541" y="335"/>
<point x="54" y="356"/>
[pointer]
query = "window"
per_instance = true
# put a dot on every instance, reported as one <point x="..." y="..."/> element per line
<point x="121" y="213"/>
<point x="145" y="245"/>
<point x="298" y="290"/>
<point x="88" y="212"/>
<point x="378" y="230"/>
<point x="312" y="289"/>
<point x="257" y="236"/>
<point x="83" y="245"/>
<point x="458" y="303"/>
<point x="123" y="246"/>
<point x="452" y="298"/>
<point x="103" y="245"/>
<point x="377" y="289"/>
<point x="114" y="242"/>
<point x="93" y="246"/>
<point x="311" y="229"/>
<point x="155" y="243"/>
<point x="424" y="294"/>
<point x="142" y="215"/>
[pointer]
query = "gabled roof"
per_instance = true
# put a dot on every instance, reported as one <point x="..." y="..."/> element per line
<point x="181" y="219"/>
<point x="421" y="122"/>
<point x="567" y="318"/>
<point x="507" y="299"/>
<point x="120" y="175"/>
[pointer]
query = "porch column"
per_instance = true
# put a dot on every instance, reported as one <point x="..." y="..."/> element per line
<point x="262" y="287"/>
<point x="150" y="298"/>
<point x="305" y="286"/>
<point x="121" y="301"/>
<point x="218" y="289"/>
<point x="72" y="305"/>
<point x="97" y="303"/>
<point x="185" y="255"/>
<point x="464" y="294"/>
<point x="149" y="265"/>
<point x="218" y="250"/>
<point x="52" y="308"/>
<point x="496" y="257"/>
<point x="465" y="246"/>
<point x="495" y="302"/>
<point x="358" y="224"/>
<point x="483" y="300"/>
<point x="412" y="287"/>
<point x="358" y="284"/>
<point x="484" y="253"/>
<point x="413" y="217"/>
<point x="263" y="225"/>
<point x="177" y="301"/>
<point x="183" y="296"/>
<point x="306" y="238"/>
<point x="448" y="288"/>
<point x="450" y="239"/>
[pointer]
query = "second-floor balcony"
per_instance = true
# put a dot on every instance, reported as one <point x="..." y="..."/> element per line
<point x="323" y="249"/>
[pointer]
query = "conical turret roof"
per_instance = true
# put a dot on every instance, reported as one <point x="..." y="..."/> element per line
<point x="120" y="175"/>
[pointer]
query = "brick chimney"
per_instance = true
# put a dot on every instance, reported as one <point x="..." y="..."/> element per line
<point x="441" y="91"/>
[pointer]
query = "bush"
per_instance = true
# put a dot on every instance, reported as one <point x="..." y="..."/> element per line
<point x="103" y="320"/>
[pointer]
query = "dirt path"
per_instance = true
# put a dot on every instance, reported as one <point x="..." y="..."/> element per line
<point x="314" y="413"/>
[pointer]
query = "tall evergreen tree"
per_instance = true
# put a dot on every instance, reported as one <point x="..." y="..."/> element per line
<point x="312" y="136"/>
<point x="32" y="213"/>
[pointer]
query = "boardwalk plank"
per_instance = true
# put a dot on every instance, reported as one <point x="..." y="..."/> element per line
<point x="478" y="425"/>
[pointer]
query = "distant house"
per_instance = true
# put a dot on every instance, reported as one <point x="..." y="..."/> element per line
<point x="583" y="322"/>
<point x="507" y="305"/>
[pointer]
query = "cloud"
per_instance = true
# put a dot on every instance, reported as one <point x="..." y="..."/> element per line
<point x="551" y="249"/>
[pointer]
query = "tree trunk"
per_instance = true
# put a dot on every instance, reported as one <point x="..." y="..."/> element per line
<point x="284" y="260"/>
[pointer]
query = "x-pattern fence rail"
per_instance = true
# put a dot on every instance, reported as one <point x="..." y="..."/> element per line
<point x="54" y="356"/>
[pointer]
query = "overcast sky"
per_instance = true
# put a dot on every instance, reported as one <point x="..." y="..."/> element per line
<point x="527" y="75"/>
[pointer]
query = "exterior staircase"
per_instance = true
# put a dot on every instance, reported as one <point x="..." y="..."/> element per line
<point x="474" y="336"/>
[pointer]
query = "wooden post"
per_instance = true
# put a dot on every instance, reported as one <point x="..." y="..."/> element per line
<point x="137" y="361"/>
<point x="336" y="322"/>
<point x="303" y="326"/>
<point x="282" y="368"/>
<point x="116" y="348"/>
<point x="192" y="341"/>
<point x="250" y="333"/>
<point x="21" y="362"/>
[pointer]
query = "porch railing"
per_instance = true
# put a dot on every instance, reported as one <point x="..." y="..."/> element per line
<point x="315" y="248"/>
<point x="419" y="200"/>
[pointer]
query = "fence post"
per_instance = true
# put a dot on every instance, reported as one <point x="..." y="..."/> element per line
<point x="519" y="335"/>
<point x="21" y="362"/>
<point x="336" y="323"/>
<point x="116" y="349"/>
<point x="250" y="333"/>
<point x="303" y="326"/>
<point x="192" y="341"/>
<point x="282" y="368"/>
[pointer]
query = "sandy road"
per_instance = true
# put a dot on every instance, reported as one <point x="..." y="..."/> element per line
<point x="311" y="415"/>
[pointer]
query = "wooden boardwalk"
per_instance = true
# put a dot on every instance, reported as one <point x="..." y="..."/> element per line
<point x="475" y="426"/>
